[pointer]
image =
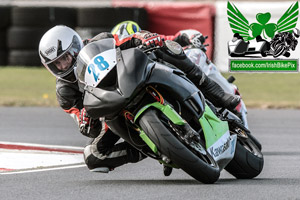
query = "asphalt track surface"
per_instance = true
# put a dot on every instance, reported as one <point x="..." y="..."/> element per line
<point x="278" y="131"/>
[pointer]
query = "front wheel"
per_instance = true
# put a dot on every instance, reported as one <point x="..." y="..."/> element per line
<point x="279" y="50"/>
<point x="159" y="129"/>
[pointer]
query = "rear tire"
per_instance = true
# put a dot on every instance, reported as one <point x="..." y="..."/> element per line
<point x="169" y="145"/>
<point x="247" y="162"/>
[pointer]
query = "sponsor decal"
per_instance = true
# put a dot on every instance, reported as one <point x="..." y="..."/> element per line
<point x="217" y="151"/>
<point x="263" y="38"/>
<point x="50" y="50"/>
<point x="99" y="67"/>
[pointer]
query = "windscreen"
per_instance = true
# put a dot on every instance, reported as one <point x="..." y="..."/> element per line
<point x="95" y="61"/>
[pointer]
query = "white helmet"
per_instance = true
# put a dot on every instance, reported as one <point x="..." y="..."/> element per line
<point x="57" y="43"/>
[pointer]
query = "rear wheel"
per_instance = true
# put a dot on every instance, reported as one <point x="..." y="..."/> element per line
<point x="248" y="160"/>
<point x="195" y="161"/>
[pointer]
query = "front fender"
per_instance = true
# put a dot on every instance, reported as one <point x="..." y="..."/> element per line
<point x="166" y="109"/>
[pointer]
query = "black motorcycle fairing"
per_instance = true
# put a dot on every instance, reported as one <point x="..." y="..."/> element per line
<point x="179" y="87"/>
<point x="118" y="126"/>
<point x="133" y="67"/>
<point x="134" y="72"/>
<point x="101" y="103"/>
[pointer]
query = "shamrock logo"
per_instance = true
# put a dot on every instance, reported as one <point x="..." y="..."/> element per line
<point x="239" y="24"/>
<point x="263" y="25"/>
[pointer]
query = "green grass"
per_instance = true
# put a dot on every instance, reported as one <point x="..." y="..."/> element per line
<point x="29" y="86"/>
<point x="269" y="90"/>
<point x="22" y="86"/>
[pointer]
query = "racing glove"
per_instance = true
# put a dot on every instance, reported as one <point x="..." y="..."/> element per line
<point x="88" y="126"/>
<point x="147" y="39"/>
<point x="191" y="37"/>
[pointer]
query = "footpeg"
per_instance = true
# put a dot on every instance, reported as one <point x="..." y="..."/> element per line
<point x="167" y="170"/>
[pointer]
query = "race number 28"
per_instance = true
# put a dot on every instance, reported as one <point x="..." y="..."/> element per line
<point x="101" y="65"/>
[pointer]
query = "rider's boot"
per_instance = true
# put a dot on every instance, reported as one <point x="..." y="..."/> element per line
<point x="101" y="158"/>
<point x="211" y="90"/>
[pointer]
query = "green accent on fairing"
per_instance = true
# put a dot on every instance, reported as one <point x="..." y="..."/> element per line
<point x="212" y="126"/>
<point x="148" y="141"/>
<point x="166" y="109"/>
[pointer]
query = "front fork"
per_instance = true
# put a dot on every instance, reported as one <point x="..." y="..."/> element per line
<point x="240" y="128"/>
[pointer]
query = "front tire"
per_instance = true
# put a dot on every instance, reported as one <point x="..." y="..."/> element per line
<point x="279" y="50"/>
<point x="169" y="145"/>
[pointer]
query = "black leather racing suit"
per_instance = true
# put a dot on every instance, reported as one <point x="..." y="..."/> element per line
<point x="102" y="151"/>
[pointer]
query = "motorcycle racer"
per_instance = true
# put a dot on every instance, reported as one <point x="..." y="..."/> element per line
<point x="58" y="50"/>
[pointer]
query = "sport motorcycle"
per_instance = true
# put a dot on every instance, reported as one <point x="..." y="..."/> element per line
<point x="160" y="112"/>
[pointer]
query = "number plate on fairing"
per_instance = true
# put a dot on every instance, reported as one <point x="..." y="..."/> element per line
<point x="99" y="66"/>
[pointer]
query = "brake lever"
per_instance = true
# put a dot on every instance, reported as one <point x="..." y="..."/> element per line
<point x="148" y="49"/>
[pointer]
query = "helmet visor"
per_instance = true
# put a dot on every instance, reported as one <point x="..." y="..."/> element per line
<point x="63" y="64"/>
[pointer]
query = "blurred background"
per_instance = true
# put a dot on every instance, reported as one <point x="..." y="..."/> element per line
<point x="24" y="82"/>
